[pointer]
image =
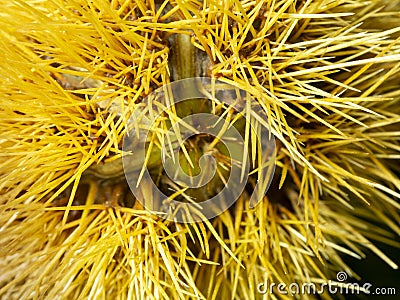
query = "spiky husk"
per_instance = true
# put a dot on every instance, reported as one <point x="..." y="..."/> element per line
<point x="327" y="74"/>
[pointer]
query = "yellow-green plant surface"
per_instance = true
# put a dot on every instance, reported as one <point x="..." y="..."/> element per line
<point x="72" y="72"/>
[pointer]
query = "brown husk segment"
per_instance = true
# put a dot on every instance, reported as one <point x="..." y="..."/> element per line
<point x="326" y="73"/>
